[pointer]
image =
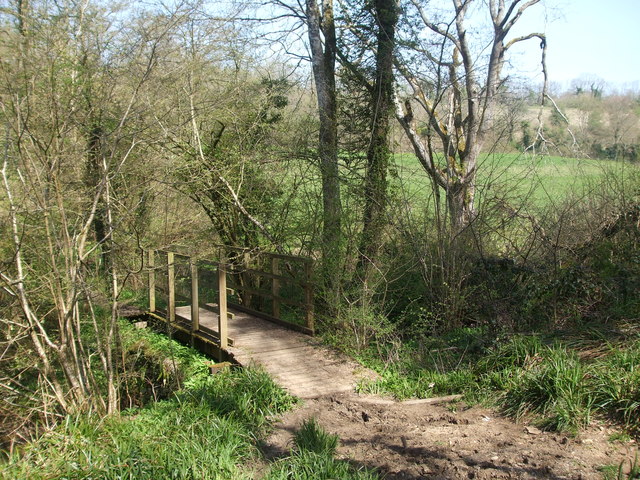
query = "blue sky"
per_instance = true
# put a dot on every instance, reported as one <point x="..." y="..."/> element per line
<point x="585" y="37"/>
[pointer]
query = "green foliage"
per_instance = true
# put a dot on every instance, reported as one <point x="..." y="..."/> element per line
<point x="207" y="430"/>
<point x="619" y="437"/>
<point x="247" y="395"/>
<point x="517" y="352"/>
<point x="421" y="384"/>
<point x="553" y="387"/>
<point x="431" y="367"/>
<point x="356" y="327"/>
<point x="526" y="140"/>
<point x="312" y="466"/>
<point x="153" y="366"/>
<point x="562" y="391"/>
<point x="547" y="382"/>
<point x="616" y="384"/>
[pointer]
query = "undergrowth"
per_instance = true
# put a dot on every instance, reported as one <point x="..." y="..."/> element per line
<point x="624" y="471"/>
<point x="205" y="430"/>
<point x="560" y="385"/>
<point x="153" y="366"/>
<point x="207" y="427"/>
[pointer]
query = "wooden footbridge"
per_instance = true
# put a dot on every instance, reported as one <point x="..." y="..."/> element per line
<point x="252" y="308"/>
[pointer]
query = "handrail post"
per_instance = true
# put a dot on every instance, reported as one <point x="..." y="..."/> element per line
<point x="151" y="254"/>
<point x="246" y="297"/>
<point x="171" y="280"/>
<point x="222" y="305"/>
<point x="195" y="298"/>
<point x="308" y="297"/>
<point x="275" y="287"/>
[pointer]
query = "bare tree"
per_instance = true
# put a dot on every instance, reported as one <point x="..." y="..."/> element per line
<point x="52" y="97"/>
<point x="456" y="86"/>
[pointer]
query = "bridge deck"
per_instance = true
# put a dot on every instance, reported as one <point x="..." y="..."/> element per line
<point x="297" y="362"/>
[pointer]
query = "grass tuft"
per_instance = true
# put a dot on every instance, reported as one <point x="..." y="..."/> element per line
<point x="553" y="387"/>
<point x="307" y="465"/>
<point x="312" y="438"/>
<point x="622" y="471"/>
<point x="313" y="458"/>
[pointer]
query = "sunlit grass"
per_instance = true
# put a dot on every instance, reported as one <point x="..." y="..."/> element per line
<point x="206" y="430"/>
<point x="541" y="179"/>
<point x="545" y="381"/>
<point x="312" y="458"/>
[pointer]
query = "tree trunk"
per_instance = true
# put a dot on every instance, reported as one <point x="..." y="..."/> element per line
<point x="461" y="125"/>
<point x="323" y="60"/>
<point x="94" y="177"/>
<point x="460" y="198"/>
<point x="378" y="153"/>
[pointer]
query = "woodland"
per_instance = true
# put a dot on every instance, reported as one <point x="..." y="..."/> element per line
<point x="473" y="231"/>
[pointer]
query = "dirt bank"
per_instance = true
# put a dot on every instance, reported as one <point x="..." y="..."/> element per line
<point x="450" y="441"/>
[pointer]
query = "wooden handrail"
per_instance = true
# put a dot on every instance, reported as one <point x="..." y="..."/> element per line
<point x="273" y="276"/>
<point x="259" y="252"/>
<point x="195" y="298"/>
<point x="171" y="280"/>
<point x="222" y="306"/>
<point x="151" y="254"/>
<point x="222" y="268"/>
<point x="270" y="295"/>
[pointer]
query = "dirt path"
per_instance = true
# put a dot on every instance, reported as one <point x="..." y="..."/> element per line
<point x="449" y="441"/>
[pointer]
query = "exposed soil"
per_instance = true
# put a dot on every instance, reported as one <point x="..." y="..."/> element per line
<point x="449" y="441"/>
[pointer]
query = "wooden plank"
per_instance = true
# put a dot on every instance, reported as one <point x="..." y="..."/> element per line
<point x="262" y="273"/>
<point x="273" y="351"/>
<point x="222" y="306"/>
<point x="171" y="280"/>
<point x="173" y="252"/>
<point x="204" y="330"/>
<point x="271" y="318"/>
<point x="283" y="256"/>
<point x="299" y="364"/>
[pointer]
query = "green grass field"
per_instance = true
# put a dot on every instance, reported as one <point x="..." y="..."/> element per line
<point x="542" y="180"/>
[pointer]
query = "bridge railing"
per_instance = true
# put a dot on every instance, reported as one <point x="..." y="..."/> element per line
<point x="273" y="286"/>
